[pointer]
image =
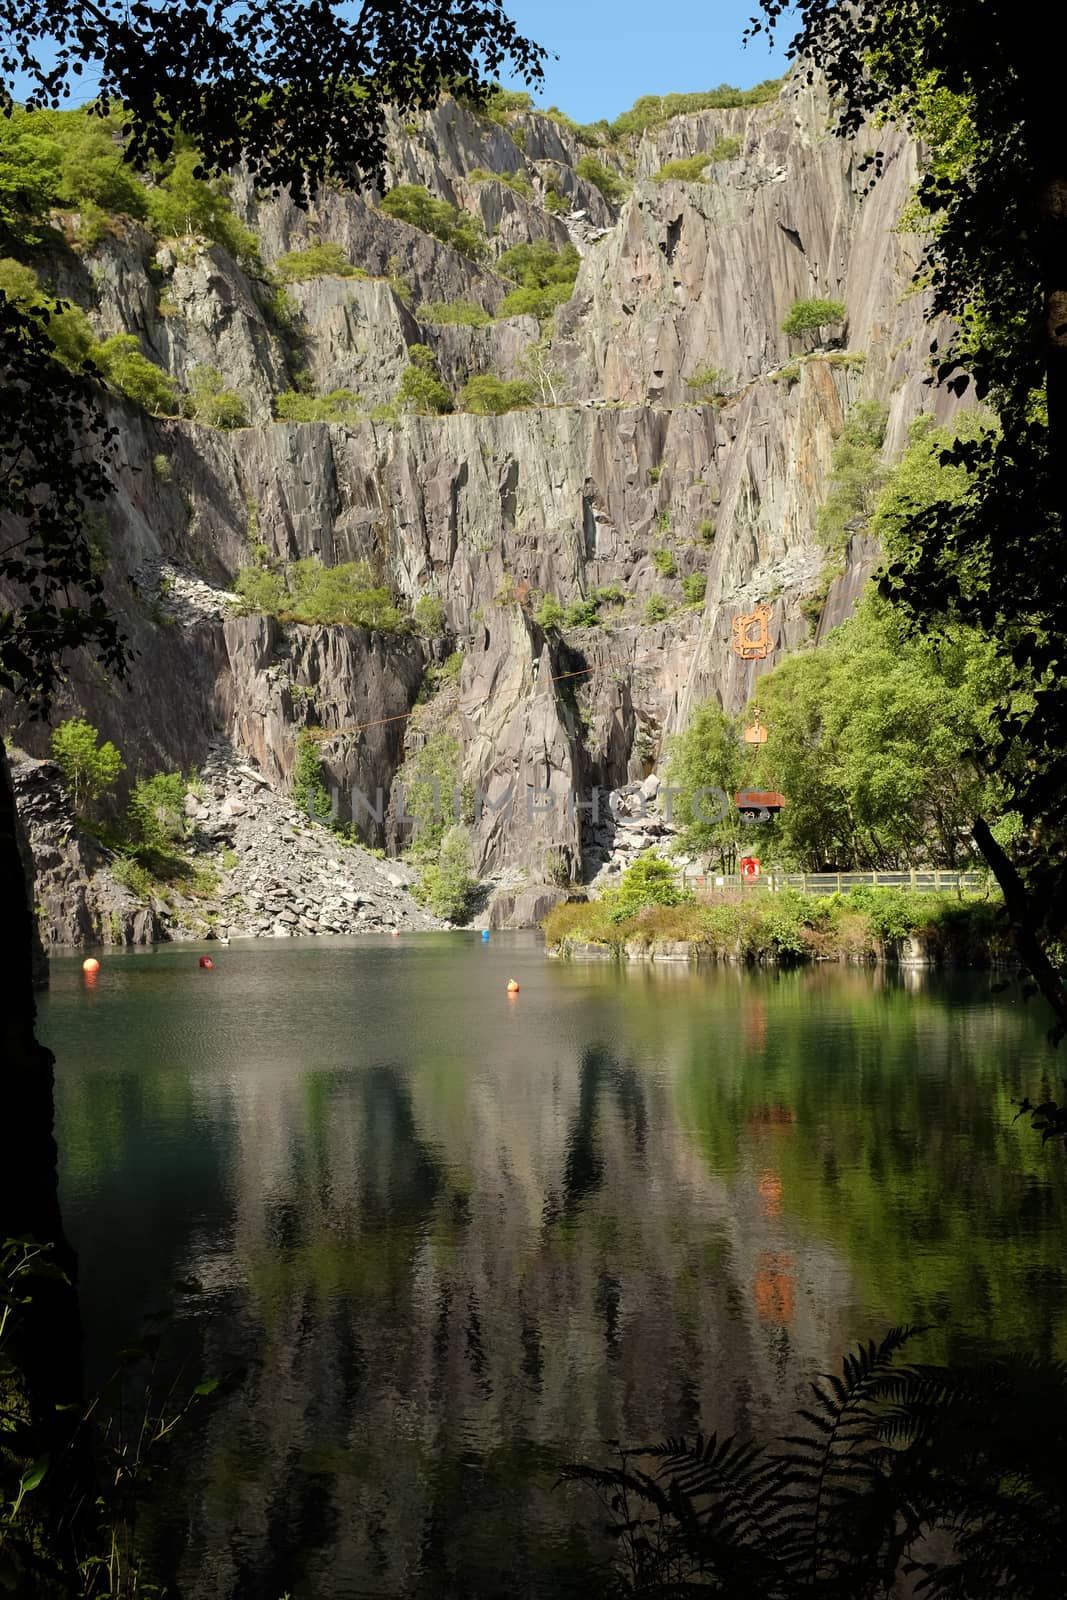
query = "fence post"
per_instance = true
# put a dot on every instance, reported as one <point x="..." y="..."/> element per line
<point x="839" y="883"/>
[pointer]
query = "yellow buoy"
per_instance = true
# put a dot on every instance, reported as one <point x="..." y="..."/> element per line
<point x="513" y="987"/>
<point x="90" y="964"/>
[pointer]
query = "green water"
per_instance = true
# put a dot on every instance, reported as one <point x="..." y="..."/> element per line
<point x="459" y="1238"/>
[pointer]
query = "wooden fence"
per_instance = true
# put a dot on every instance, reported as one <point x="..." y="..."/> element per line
<point x="943" y="882"/>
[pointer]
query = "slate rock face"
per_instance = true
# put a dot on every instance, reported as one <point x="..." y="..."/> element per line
<point x="619" y="461"/>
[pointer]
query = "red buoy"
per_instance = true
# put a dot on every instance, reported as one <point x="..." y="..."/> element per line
<point x="206" y="961"/>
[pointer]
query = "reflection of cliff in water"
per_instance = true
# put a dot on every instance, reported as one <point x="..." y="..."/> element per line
<point x="444" y="1307"/>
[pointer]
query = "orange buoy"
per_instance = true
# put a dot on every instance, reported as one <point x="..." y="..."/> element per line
<point x="513" y="987"/>
<point x="90" y="965"/>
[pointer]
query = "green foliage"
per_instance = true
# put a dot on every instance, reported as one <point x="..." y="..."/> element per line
<point x="870" y="742"/>
<point x="810" y="316"/>
<point x="710" y="383"/>
<point x="310" y="592"/>
<point x="464" y="313"/>
<point x="688" y="170"/>
<point x="694" y="588"/>
<point x="540" y="303"/>
<point x="856" y="476"/>
<point x="430" y="779"/>
<point x="612" y="187"/>
<point x="664" y="563"/>
<point x="70" y="160"/>
<point x="656" y="609"/>
<point x="315" y="261"/>
<point x="120" y="361"/>
<point x="89" y="768"/>
<point x="707" y="530"/>
<point x="488" y="396"/>
<point x="518" y="181"/>
<point x="134" y="875"/>
<point x="309" y="791"/>
<point x="549" y="614"/>
<point x="412" y="203"/>
<point x="447" y="888"/>
<point x="212" y="405"/>
<point x="162" y="468"/>
<point x="789" y="374"/>
<point x="502" y="104"/>
<point x="708" y="756"/>
<point x="539" y="265"/>
<point x="421" y="388"/>
<point x="156" y="812"/>
<point x="581" y="614"/>
<point x="341" y="405"/>
<point x="183" y="204"/>
<point x="653" y="110"/>
<point x="650" y="881"/>
<point x="261" y="591"/>
<point x="429" y="617"/>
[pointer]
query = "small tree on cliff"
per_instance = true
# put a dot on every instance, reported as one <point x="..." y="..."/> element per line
<point x="89" y="767"/>
<point x="812" y="316"/>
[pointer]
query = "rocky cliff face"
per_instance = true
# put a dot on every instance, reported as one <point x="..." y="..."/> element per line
<point x="562" y="498"/>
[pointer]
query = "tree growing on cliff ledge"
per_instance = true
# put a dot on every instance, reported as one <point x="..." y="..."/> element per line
<point x="981" y="86"/>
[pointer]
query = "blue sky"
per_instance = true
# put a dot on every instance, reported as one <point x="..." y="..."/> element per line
<point x="610" y="53"/>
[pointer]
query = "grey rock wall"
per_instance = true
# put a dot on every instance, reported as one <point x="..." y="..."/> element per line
<point x="490" y="513"/>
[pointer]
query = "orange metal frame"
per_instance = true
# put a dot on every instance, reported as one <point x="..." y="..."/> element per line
<point x="752" y="634"/>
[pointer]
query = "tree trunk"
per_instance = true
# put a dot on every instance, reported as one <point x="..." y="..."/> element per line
<point x="1020" y="914"/>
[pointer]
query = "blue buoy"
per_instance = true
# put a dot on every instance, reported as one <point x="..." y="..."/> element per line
<point x="485" y="935"/>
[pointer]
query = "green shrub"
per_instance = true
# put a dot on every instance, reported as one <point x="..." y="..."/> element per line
<point x="540" y="303"/>
<point x="315" y="261"/>
<point x="128" y="871"/>
<point x="609" y="594"/>
<point x="429" y="616"/>
<point x="310" y="592"/>
<point x="517" y="181"/>
<point x="707" y="530"/>
<point x="501" y="104"/>
<point x="156" y="812"/>
<point x="162" y="468"/>
<point x="183" y="204"/>
<point x="788" y="374"/>
<point x="549" y="613"/>
<point x="209" y="403"/>
<point x="612" y="187"/>
<point x="447" y="888"/>
<point x="649" y="882"/>
<point x="809" y="316"/>
<point x="340" y="405"/>
<point x="487" y="396"/>
<point x="461" y="312"/>
<point x="664" y="563"/>
<point x="539" y="265"/>
<point x="412" y="203"/>
<point x="709" y="382"/>
<point x="120" y="361"/>
<point x="89" y="768"/>
<point x="653" y="110"/>
<point x="656" y="609"/>
<point x="695" y="587"/>
<point x="690" y="170"/>
<point x="727" y="148"/>
<point x="581" y="614"/>
<point x="421" y="388"/>
<point x="261" y="590"/>
<point x="309" y="791"/>
<point x="857" y="474"/>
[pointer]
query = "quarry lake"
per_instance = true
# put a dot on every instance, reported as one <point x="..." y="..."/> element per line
<point x="455" y="1239"/>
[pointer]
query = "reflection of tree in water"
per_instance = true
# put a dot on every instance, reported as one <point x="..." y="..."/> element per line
<point x="584" y="1168"/>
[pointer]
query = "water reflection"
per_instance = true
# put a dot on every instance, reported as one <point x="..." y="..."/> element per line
<point x="460" y="1241"/>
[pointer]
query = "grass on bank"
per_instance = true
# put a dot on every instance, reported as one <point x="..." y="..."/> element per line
<point x="759" y="925"/>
